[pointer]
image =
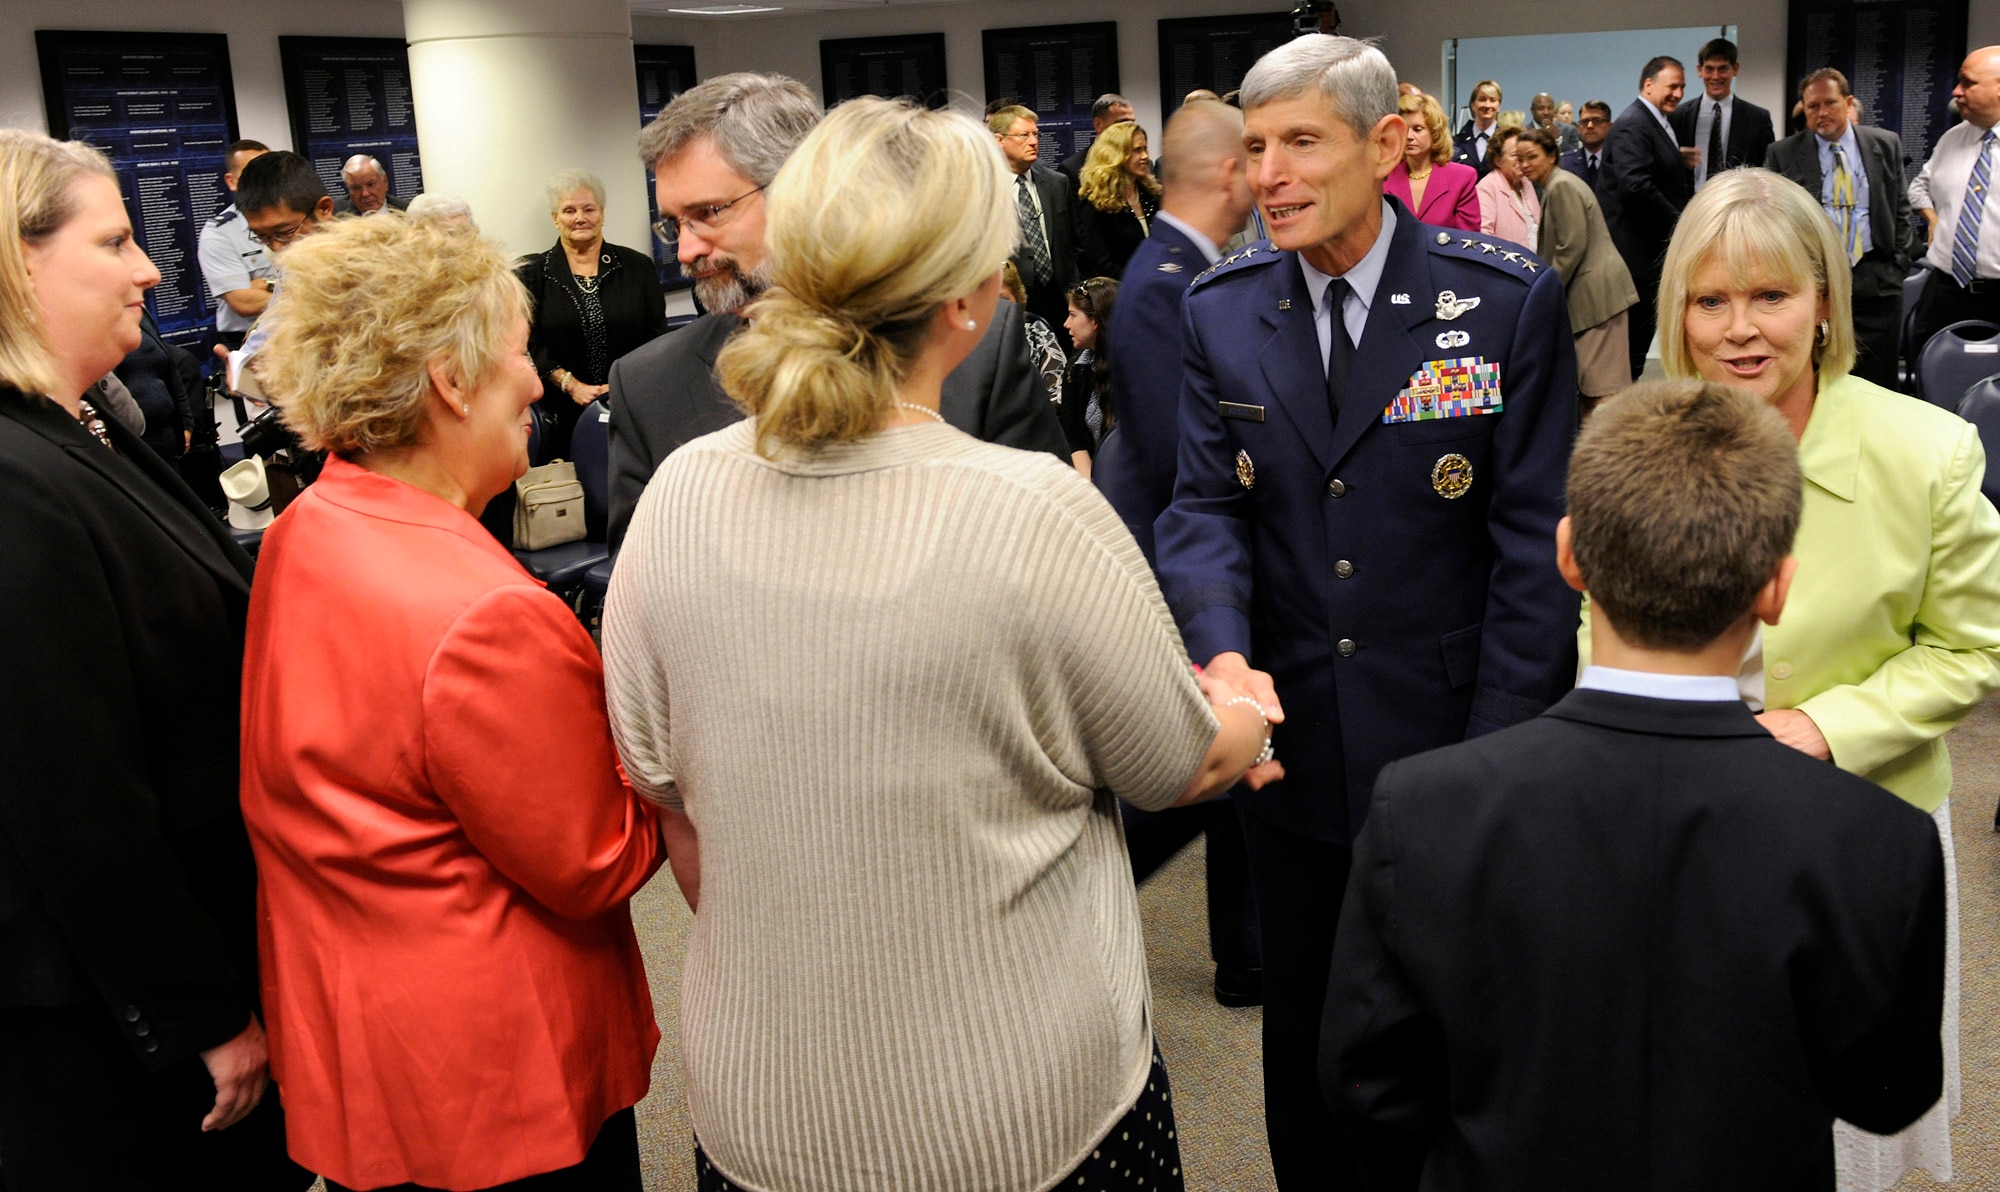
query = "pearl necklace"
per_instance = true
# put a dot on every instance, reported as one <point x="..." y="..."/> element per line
<point x="926" y="411"/>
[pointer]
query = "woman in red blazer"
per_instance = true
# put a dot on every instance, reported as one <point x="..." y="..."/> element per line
<point x="455" y="995"/>
<point x="1429" y="183"/>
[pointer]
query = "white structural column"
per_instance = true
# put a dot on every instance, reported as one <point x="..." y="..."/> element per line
<point x="510" y="91"/>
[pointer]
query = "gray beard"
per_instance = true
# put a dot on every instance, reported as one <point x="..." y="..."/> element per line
<point x="732" y="290"/>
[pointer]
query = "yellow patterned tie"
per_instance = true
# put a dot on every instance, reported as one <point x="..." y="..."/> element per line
<point x="1843" y="202"/>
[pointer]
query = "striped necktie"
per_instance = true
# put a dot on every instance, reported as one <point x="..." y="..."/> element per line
<point x="1843" y="202"/>
<point x="1965" y="239"/>
<point x="1035" y="245"/>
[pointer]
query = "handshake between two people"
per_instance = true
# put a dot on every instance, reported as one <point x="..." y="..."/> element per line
<point x="1247" y="706"/>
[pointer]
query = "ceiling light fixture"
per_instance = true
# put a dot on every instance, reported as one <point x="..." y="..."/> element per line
<point x="727" y="10"/>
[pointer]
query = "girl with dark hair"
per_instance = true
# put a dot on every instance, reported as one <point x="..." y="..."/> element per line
<point x="1087" y="414"/>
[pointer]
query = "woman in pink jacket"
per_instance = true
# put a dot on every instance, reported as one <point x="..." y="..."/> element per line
<point x="1435" y="188"/>
<point x="1508" y="205"/>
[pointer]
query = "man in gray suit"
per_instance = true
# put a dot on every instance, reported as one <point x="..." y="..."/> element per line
<point x="1857" y="175"/>
<point x="713" y="150"/>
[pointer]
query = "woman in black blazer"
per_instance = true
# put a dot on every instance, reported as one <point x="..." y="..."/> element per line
<point x="131" y="1055"/>
<point x="1120" y="198"/>
<point x="594" y="302"/>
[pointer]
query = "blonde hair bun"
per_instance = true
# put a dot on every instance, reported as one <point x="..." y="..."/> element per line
<point x="883" y="214"/>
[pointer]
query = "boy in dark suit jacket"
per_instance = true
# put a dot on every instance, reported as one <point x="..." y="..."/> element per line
<point x="1636" y="942"/>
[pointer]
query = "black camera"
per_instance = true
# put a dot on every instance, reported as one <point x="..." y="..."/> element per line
<point x="1315" y="16"/>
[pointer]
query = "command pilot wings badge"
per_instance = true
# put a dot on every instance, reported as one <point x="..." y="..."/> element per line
<point x="1450" y="305"/>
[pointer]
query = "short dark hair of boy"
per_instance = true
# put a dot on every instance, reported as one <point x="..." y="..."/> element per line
<point x="270" y="179"/>
<point x="1683" y="500"/>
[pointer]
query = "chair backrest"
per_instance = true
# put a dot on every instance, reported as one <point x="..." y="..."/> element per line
<point x="1913" y="289"/>
<point x="590" y="445"/>
<point x="538" y="436"/>
<point x="1957" y="358"/>
<point x="1981" y="408"/>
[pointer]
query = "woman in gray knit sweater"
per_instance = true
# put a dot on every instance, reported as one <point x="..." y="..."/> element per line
<point x="895" y="677"/>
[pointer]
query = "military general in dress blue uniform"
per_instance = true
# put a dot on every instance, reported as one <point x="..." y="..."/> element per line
<point x="1375" y="419"/>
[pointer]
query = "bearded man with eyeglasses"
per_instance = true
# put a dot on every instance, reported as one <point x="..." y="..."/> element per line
<point x="712" y="151"/>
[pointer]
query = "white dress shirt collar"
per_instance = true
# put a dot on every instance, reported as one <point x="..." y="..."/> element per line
<point x="1362" y="281"/>
<point x="1652" y="685"/>
<point x="1661" y="117"/>
<point x="1207" y="246"/>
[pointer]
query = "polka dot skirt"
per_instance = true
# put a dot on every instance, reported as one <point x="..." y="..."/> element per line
<point x="1142" y="1150"/>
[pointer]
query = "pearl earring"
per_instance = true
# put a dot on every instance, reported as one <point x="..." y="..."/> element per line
<point x="465" y="408"/>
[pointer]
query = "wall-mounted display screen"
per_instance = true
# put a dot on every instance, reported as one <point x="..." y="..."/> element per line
<point x="1901" y="60"/>
<point x="1057" y="70"/>
<point x="664" y="72"/>
<point x="910" y="64"/>
<point x="162" y="106"/>
<point x="1215" y="52"/>
<point x="348" y="96"/>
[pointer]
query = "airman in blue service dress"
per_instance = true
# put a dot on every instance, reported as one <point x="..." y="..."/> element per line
<point x="1134" y="469"/>
<point x="1383" y="544"/>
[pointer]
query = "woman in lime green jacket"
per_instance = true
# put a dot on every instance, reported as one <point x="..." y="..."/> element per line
<point x="1892" y="631"/>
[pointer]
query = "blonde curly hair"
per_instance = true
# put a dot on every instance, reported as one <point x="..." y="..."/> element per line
<point x="363" y="309"/>
<point x="1102" y="179"/>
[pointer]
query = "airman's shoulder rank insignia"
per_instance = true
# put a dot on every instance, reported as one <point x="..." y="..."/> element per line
<point x="1260" y="253"/>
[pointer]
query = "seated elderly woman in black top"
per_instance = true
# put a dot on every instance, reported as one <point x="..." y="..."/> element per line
<point x="594" y="302"/>
<point x="1120" y="199"/>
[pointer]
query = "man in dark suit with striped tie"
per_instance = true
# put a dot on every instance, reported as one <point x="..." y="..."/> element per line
<point x="1044" y="201"/>
<point x="1730" y="131"/>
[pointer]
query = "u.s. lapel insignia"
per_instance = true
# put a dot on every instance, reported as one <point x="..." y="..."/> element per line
<point x="1450" y="305"/>
<point x="1399" y="300"/>
<point x="1451" y="476"/>
<point x="1246" y="472"/>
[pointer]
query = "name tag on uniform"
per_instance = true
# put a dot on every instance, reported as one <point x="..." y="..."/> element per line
<point x="1447" y="389"/>
<point x="1237" y="409"/>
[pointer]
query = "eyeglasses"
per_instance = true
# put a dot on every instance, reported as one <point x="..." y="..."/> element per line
<point x="283" y="236"/>
<point x="704" y="220"/>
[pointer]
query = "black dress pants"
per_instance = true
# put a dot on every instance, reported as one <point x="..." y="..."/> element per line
<point x="1299" y="883"/>
<point x="1152" y="838"/>
<point x="78" y="1113"/>
<point x="1878" y="319"/>
<point x="1944" y="302"/>
<point x="611" y="1165"/>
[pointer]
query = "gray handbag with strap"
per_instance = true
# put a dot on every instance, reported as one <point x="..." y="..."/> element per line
<point x="548" y="506"/>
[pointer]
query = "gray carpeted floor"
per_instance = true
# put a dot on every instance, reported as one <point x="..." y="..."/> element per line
<point x="1212" y="1053"/>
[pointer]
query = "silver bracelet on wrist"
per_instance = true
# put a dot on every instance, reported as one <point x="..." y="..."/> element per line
<point x="1265" y="754"/>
